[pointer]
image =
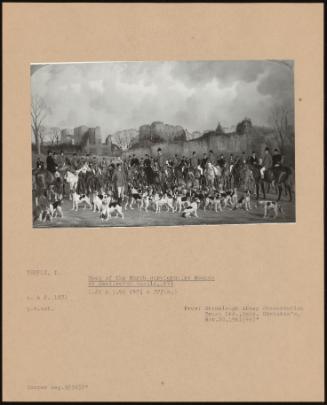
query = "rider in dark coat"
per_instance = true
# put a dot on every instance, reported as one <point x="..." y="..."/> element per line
<point x="75" y="162"/>
<point x="51" y="164"/>
<point x="221" y="161"/>
<point x="204" y="161"/>
<point x="194" y="161"/>
<point x="276" y="163"/>
<point x="160" y="160"/>
<point x="61" y="160"/>
<point x="276" y="158"/>
<point x="176" y="161"/>
<point x="147" y="160"/>
<point x="39" y="164"/>
<point x="211" y="157"/>
<point x="253" y="160"/>
<point x="134" y="161"/>
<point x="243" y="158"/>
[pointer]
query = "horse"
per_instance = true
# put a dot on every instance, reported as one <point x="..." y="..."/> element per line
<point x="210" y="175"/>
<point x="180" y="172"/>
<point x="189" y="178"/>
<point x="42" y="179"/>
<point x="221" y="179"/>
<point x="278" y="176"/>
<point x="168" y="176"/>
<point x="59" y="186"/>
<point x="236" y="174"/>
<point x="72" y="180"/>
<point x="81" y="183"/>
<point x="92" y="183"/>
<point x="134" y="175"/>
<point x="153" y="178"/>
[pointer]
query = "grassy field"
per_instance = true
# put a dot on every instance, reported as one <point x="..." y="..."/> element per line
<point x="87" y="218"/>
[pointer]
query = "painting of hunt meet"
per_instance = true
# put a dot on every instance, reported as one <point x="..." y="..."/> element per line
<point x="162" y="143"/>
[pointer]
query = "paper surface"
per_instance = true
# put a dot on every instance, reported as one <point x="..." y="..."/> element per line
<point x="234" y="312"/>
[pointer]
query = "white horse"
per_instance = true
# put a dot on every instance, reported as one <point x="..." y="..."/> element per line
<point x="213" y="174"/>
<point x="210" y="174"/>
<point x="85" y="168"/>
<point x="72" y="180"/>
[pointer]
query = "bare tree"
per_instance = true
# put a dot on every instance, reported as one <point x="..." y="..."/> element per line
<point x="42" y="133"/>
<point x="279" y="119"/>
<point x="119" y="139"/>
<point x="55" y="135"/>
<point x="38" y="114"/>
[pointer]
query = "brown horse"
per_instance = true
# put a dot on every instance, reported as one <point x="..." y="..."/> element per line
<point x="42" y="179"/>
<point x="153" y="178"/>
<point x="279" y="176"/>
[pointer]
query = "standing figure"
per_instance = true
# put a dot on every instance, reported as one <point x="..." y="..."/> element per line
<point x="119" y="181"/>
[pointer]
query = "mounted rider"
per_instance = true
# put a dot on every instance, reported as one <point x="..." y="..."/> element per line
<point x="176" y="161"/>
<point x="75" y="161"/>
<point x="194" y="161"/>
<point x="147" y="161"/>
<point x="267" y="162"/>
<point x="211" y="157"/>
<point x="204" y="161"/>
<point x="231" y="162"/>
<point x="221" y="161"/>
<point x="103" y="164"/>
<point x="39" y="164"/>
<point x="160" y="159"/>
<point x="51" y="164"/>
<point x="244" y="159"/>
<point x="160" y="162"/>
<point x="253" y="159"/>
<point x="134" y="161"/>
<point x="276" y="158"/>
<point x="61" y="161"/>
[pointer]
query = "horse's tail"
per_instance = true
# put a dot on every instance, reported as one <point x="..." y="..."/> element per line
<point x="291" y="177"/>
<point x="286" y="175"/>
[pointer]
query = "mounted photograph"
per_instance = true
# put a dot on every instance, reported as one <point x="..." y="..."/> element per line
<point x="162" y="143"/>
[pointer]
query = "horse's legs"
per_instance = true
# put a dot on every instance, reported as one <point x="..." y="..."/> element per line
<point x="289" y="189"/>
<point x="263" y="189"/>
<point x="280" y="189"/>
<point x="257" y="190"/>
<point x="286" y="189"/>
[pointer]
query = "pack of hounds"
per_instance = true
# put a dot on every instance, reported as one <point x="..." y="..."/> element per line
<point x="183" y="201"/>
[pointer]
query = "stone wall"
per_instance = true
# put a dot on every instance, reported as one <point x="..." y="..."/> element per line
<point x="225" y="143"/>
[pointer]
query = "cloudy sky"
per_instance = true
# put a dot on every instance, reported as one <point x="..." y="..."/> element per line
<point x="195" y="95"/>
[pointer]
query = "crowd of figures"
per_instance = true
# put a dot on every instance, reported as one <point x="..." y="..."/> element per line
<point x="192" y="178"/>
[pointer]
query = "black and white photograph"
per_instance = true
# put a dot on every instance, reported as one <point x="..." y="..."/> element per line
<point x="162" y="143"/>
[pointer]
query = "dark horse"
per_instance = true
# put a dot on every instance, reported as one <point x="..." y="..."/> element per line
<point x="152" y="177"/>
<point x="42" y="179"/>
<point x="279" y="176"/>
